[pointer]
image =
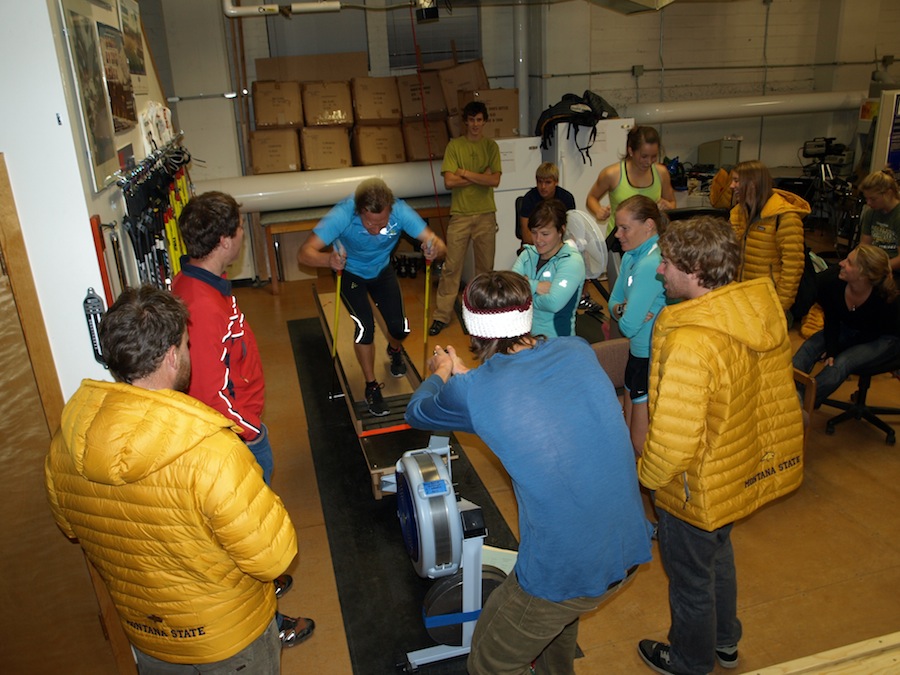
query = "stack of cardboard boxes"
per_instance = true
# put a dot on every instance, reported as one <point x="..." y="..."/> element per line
<point x="307" y="123"/>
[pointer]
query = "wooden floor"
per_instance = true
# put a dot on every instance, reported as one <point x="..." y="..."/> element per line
<point x="817" y="571"/>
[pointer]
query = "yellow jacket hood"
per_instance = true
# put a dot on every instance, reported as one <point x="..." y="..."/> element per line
<point x="732" y="310"/>
<point x="115" y="441"/>
<point x="783" y="201"/>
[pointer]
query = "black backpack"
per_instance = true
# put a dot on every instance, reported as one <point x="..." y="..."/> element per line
<point x="577" y="111"/>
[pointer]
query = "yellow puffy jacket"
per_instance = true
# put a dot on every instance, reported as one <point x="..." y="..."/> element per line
<point x="772" y="245"/>
<point x="170" y="506"/>
<point x="726" y="432"/>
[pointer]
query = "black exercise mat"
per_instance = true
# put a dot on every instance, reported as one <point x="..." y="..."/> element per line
<point x="380" y="593"/>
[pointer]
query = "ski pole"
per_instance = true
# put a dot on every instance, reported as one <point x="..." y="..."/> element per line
<point x="337" y="300"/>
<point x="427" y="293"/>
<point x="337" y="312"/>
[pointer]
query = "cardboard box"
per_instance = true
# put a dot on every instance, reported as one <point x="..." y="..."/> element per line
<point x="466" y="77"/>
<point x="375" y="100"/>
<point x="412" y="93"/>
<point x="327" y="104"/>
<point x="378" y="145"/>
<point x="342" y="66"/>
<point x="274" y="151"/>
<point x="325" y="148"/>
<point x="503" y="111"/>
<point x="422" y="146"/>
<point x="277" y="104"/>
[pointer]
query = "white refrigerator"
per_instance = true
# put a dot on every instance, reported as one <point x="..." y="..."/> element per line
<point x="519" y="157"/>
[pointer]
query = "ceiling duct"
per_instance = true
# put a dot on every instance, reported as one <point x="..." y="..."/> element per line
<point x="632" y="6"/>
<point x="233" y="11"/>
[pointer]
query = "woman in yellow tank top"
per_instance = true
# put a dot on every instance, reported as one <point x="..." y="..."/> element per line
<point x="639" y="173"/>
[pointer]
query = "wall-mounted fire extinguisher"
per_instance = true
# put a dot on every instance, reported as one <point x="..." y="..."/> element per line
<point x="93" y="312"/>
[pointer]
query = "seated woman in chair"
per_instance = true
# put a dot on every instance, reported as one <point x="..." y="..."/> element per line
<point x="555" y="270"/>
<point x="862" y="319"/>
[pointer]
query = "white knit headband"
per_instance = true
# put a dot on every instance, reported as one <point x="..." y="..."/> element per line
<point x="491" y="324"/>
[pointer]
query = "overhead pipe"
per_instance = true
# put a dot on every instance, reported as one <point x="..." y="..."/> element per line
<point x="232" y="12"/>
<point x="742" y="106"/>
<point x="311" y="189"/>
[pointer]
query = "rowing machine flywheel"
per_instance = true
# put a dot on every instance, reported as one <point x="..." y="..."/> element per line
<point x="429" y="515"/>
<point x="445" y="599"/>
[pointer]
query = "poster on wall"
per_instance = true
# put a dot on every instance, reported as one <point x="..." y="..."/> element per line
<point x="893" y="153"/>
<point x="118" y="78"/>
<point x="87" y="64"/>
<point x="130" y="17"/>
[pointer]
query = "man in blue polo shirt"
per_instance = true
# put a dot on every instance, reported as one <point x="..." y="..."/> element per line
<point x="547" y="187"/>
<point x="363" y="231"/>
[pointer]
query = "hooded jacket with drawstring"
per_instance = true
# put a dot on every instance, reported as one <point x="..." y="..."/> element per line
<point x="726" y="431"/>
<point x="772" y="245"/>
<point x="170" y="507"/>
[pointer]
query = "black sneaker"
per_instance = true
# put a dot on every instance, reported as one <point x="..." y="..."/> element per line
<point x="727" y="656"/>
<point x="656" y="655"/>
<point x="375" y="401"/>
<point x="436" y="327"/>
<point x="398" y="365"/>
<point x="283" y="584"/>
<point x="586" y="304"/>
<point x="293" y="631"/>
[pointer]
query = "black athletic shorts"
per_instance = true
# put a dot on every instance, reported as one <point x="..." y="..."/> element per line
<point x="385" y="292"/>
<point x="637" y="378"/>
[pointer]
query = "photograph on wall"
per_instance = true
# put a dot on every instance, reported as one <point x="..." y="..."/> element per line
<point x="118" y="78"/>
<point x="130" y="16"/>
<point x="87" y="64"/>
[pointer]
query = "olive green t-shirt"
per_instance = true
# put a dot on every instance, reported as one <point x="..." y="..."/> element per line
<point x="475" y="156"/>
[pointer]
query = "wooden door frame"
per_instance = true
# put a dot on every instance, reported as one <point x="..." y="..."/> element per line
<point x="28" y="306"/>
<point x="21" y="281"/>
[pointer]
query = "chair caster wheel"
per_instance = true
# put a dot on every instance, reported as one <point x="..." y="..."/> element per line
<point x="829" y="429"/>
<point x="891" y="438"/>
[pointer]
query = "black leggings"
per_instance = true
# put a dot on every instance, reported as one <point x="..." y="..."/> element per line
<point x="385" y="292"/>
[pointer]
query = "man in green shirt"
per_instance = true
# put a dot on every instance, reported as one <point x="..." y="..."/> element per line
<point x="471" y="169"/>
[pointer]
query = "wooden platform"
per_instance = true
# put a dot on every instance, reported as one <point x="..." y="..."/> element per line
<point x="869" y="657"/>
<point x="383" y="440"/>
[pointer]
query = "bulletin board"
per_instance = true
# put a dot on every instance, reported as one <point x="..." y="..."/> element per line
<point x="886" y="149"/>
<point x="107" y="60"/>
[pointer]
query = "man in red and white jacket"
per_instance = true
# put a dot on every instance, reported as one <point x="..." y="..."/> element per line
<point x="226" y="369"/>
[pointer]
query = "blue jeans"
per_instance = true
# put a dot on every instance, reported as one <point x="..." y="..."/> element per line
<point x="702" y="593"/>
<point x="262" y="657"/>
<point x="852" y="355"/>
<point x="262" y="450"/>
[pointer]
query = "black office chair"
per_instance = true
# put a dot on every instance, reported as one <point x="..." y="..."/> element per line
<point x="858" y="409"/>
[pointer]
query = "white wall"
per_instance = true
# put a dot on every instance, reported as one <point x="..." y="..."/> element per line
<point x="37" y="143"/>
<point x="42" y="143"/>
<point x="713" y="50"/>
